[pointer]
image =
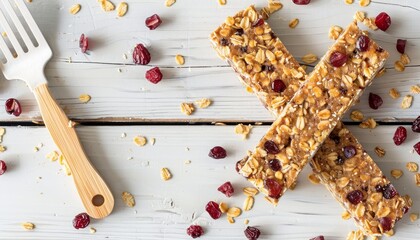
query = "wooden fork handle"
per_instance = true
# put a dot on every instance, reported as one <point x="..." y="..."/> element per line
<point x="95" y="194"/>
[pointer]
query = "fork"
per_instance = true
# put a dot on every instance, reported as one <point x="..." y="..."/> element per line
<point x="29" y="67"/>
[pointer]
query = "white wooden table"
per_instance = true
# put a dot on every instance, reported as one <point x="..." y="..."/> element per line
<point x="37" y="190"/>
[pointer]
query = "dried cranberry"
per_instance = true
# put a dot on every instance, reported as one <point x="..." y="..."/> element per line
<point x="83" y="43"/>
<point x="389" y="191"/>
<point x="271" y="147"/>
<point x="81" y="220"/>
<point x="12" y="106"/>
<point x="383" y="21"/>
<point x="3" y="167"/>
<point x="224" y="42"/>
<point x="375" y="101"/>
<point x="239" y="31"/>
<point x="154" y="75"/>
<point x="355" y="196"/>
<point x="141" y="55"/>
<point x="405" y="209"/>
<point x="363" y="43"/>
<point x="275" y="189"/>
<point x="417" y="147"/>
<point x="349" y="151"/>
<point x="400" y="135"/>
<point x="227" y="189"/>
<point x="217" y="152"/>
<point x="252" y="233"/>
<point x="401" y="45"/>
<point x="301" y="2"/>
<point x="195" y="231"/>
<point x="278" y="86"/>
<point x="213" y="209"/>
<point x="274" y="164"/>
<point x="416" y="125"/>
<point x="338" y="59"/>
<point x="386" y="223"/>
<point x="153" y="21"/>
<point x="340" y="160"/>
<point x="318" y="238"/>
<point x="258" y="22"/>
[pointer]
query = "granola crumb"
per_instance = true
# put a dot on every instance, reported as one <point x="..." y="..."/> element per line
<point x="313" y="179"/>
<point x="187" y="108"/>
<point x="52" y="156"/>
<point x="380" y="151"/>
<point x="2" y="148"/>
<point x="396" y="173"/>
<point x="334" y="32"/>
<point x="222" y="2"/>
<point x="203" y="103"/>
<point x="71" y="124"/>
<point x="249" y="89"/>
<point x="28" y="226"/>
<point x="165" y="174"/>
<point x="140" y="140"/>
<point x="293" y="23"/>
<point x="75" y="9"/>
<point x="223" y="207"/>
<point x="406" y="102"/>
<point x="394" y="93"/>
<point x="359" y="16"/>
<point x="405" y="59"/>
<point x="357" y="116"/>
<point x="309" y="58"/>
<point x="179" y="59"/>
<point x="414" y="217"/>
<point x="345" y="215"/>
<point x="243" y="130"/>
<point x="92" y="230"/>
<point x="355" y="235"/>
<point x="36" y="149"/>
<point x="415" y="89"/>
<point x="84" y="98"/>
<point x="368" y="123"/>
<point x="169" y="3"/>
<point x="2" y="132"/>
<point x="230" y="219"/>
<point x="412" y="166"/>
<point x="370" y="23"/>
<point x="128" y="199"/>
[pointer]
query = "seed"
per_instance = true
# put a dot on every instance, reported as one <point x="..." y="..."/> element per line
<point x="313" y="178"/>
<point x="380" y="151"/>
<point x="203" y="103"/>
<point x="394" y="93"/>
<point x="293" y="23"/>
<point x="396" y="173"/>
<point x="28" y="225"/>
<point x="412" y="166"/>
<point x="222" y="2"/>
<point x="356" y="116"/>
<point x="364" y="3"/>
<point x="84" y="98"/>
<point x="248" y="203"/>
<point x="406" y="102"/>
<point x="223" y="207"/>
<point x="75" y="9"/>
<point x="179" y="59"/>
<point x="169" y="3"/>
<point x="399" y="66"/>
<point x="414" y="217"/>
<point x="140" y="140"/>
<point x="122" y="9"/>
<point x="234" y="212"/>
<point x="107" y="6"/>
<point x="309" y="58"/>
<point x="165" y="174"/>
<point x="250" y="191"/>
<point x="128" y="199"/>
<point x="246" y="221"/>
<point x="187" y="108"/>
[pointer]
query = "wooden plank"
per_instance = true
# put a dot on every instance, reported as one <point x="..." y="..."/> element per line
<point x="165" y="209"/>
<point x="127" y="96"/>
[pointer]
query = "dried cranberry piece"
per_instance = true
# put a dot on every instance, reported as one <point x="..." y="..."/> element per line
<point x="375" y="101"/>
<point x="318" y="238"/>
<point x="340" y="160"/>
<point x="416" y="125"/>
<point x="405" y="209"/>
<point x="12" y="106"/>
<point x="417" y="147"/>
<point x="153" y="22"/>
<point x="224" y="42"/>
<point x="141" y="55"/>
<point x="400" y="135"/>
<point x="349" y="151"/>
<point x="271" y="147"/>
<point x="239" y="31"/>
<point x="355" y="196"/>
<point x="81" y="220"/>
<point x="3" y="167"/>
<point x="379" y="188"/>
<point x="243" y="49"/>
<point x="258" y="22"/>
<point x="83" y="43"/>
<point x="213" y="209"/>
<point x="274" y="164"/>
<point x="301" y="2"/>
<point x="252" y="233"/>
<point x="275" y="189"/>
<point x="154" y="75"/>
<point x="335" y="138"/>
<point x="401" y="45"/>
<point x="195" y="231"/>
<point x="389" y="191"/>
<point x="227" y="189"/>
<point x="217" y="152"/>
<point x="386" y="223"/>
<point x="338" y="59"/>
<point x="363" y="43"/>
<point x="383" y="21"/>
<point x="278" y="86"/>
<point x="270" y="68"/>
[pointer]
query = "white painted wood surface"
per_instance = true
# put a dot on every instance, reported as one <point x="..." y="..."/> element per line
<point x="165" y="209"/>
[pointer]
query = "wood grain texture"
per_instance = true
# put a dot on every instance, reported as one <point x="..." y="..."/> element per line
<point x="127" y="96"/>
<point x="165" y="209"/>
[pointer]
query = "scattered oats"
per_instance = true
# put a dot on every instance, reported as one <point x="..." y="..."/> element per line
<point x="412" y="166"/>
<point x="122" y="9"/>
<point x="187" y="108"/>
<point x="203" y="103"/>
<point x="66" y="167"/>
<point x="179" y="59"/>
<point x="246" y="221"/>
<point x="92" y="230"/>
<point x="399" y="66"/>
<point x="29" y="1"/>
<point x="230" y="219"/>
<point x="335" y="32"/>
<point x="234" y="212"/>
<point x="293" y="23"/>
<point x="368" y="123"/>
<point x="258" y="123"/>
<point x="359" y="16"/>
<point x="2" y="132"/>
<point x="415" y="89"/>
<point x="28" y="225"/>
<point x="370" y="23"/>
<point x="389" y="233"/>
<point x="125" y="56"/>
<point x="396" y="173"/>
<point x="274" y="6"/>
<point x="84" y="98"/>
<point x="223" y="207"/>
<point x="52" y="156"/>
<point x="222" y="2"/>
<point x="123" y="135"/>
<point x="309" y="58"/>
<point x="249" y="89"/>
<point x="169" y="3"/>
<point x="313" y="178"/>
<point x="405" y="59"/>
<point x="36" y="149"/>
<point x="248" y="203"/>
<point x="140" y="140"/>
<point x="364" y="3"/>
<point x="349" y="1"/>
<point x="72" y="124"/>
<point x="380" y="151"/>
<point x="250" y="191"/>
<point x="355" y="235"/>
<point x="394" y="93"/>
<point x="406" y="102"/>
<point x="271" y="200"/>
<point x="357" y="116"/>
<point x="345" y="215"/>
<point x="128" y="199"/>
<point x="414" y="217"/>
<point x="2" y="148"/>
<point x="119" y="70"/>
<point x="152" y="141"/>
<point x="107" y="5"/>
<point x="165" y="174"/>
<point x="75" y="9"/>
<point x="219" y="124"/>
<point x="381" y="72"/>
<point x="242" y="130"/>
<point x="187" y="149"/>
<point x="187" y="162"/>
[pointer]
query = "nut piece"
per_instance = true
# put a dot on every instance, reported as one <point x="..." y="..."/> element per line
<point x="234" y="212"/>
<point x="380" y="151"/>
<point x="412" y="166"/>
<point x="364" y="3"/>
<point x="128" y="199"/>
<point x="203" y="103"/>
<point x="179" y="59"/>
<point x="28" y="225"/>
<point x="396" y="173"/>
<point x="84" y="98"/>
<point x="223" y="207"/>
<point x="415" y="89"/>
<point x="414" y="217"/>
<point x="309" y="58"/>
<point x="248" y="203"/>
<point x="369" y="123"/>
<point x="399" y="66"/>
<point x="313" y="178"/>
<point x="122" y="9"/>
<point x="75" y="9"/>
<point x="394" y="93"/>
<point x="293" y="23"/>
<point x="107" y="6"/>
<point x="356" y="116"/>
<point x="140" y="140"/>
<point x="243" y="130"/>
<point x="406" y="102"/>
<point x="222" y="2"/>
<point x="250" y="191"/>
<point x="335" y="32"/>
<point x="169" y="3"/>
<point x="187" y="108"/>
<point x="165" y="174"/>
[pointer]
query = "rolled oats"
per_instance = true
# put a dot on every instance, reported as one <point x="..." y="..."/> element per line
<point x="359" y="16"/>
<point x="368" y="123"/>
<point x="179" y="59"/>
<point x="203" y="103"/>
<point x="396" y="173"/>
<point x="2" y="148"/>
<point x="248" y="203"/>
<point x="414" y="217"/>
<point x="230" y="219"/>
<point x="364" y="3"/>
<point x="355" y="235"/>
<point x="415" y="89"/>
<point x="250" y="191"/>
<point x="75" y="9"/>
<point x="406" y="102"/>
<point x="309" y="58"/>
<point x="169" y="3"/>
<point x="242" y="130"/>
<point x="187" y="108"/>
<point x="84" y="98"/>
<point x="122" y="9"/>
<point x="313" y="178"/>
<point x="394" y="93"/>
<point x="404" y="59"/>
<point x="28" y="226"/>
<point x="349" y="1"/>
<point x="293" y="23"/>
<point x="412" y="166"/>
<point x="234" y="212"/>
<point x="223" y="207"/>
<point x="106" y="5"/>
<point x="346" y="215"/>
<point x="370" y="23"/>
<point x="357" y="116"/>
<point x="380" y="151"/>
<point x="417" y="179"/>
<point x="222" y="2"/>
<point x="399" y="66"/>
<point x="246" y="221"/>
<point x="165" y="174"/>
<point x="128" y="199"/>
<point x="52" y="156"/>
<point x="92" y="230"/>
<point x="335" y="32"/>
<point x="140" y="140"/>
